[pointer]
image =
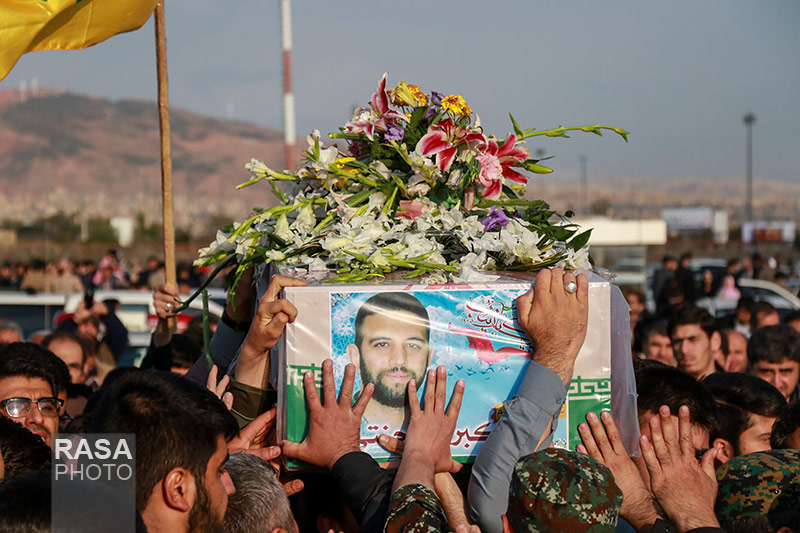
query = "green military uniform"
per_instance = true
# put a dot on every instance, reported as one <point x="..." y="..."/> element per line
<point x="414" y="508"/>
<point x="560" y="490"/>
<point x="758" y="484"/>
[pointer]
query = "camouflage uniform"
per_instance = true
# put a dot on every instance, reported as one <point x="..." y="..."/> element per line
<point x="560" y="490"/>
<point x="758" y="484"/>
<point x="415" y="509"/>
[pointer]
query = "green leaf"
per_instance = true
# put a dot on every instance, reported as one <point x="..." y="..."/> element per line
<point x="517" y="129"/>
<point x="580" y="240"/>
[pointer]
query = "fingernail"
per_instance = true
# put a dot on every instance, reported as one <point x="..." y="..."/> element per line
<point x="684" y="410"/>
<point x="307" y="374"/>
<point x="605" y="415"/>
<point x="275" y="450"/>
<point x="591" y="416"/>
<point x="583" y="427"/>
<point x="664" y="410"/>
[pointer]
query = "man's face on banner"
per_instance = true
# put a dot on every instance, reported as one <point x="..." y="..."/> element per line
<point x="394" y="350"/>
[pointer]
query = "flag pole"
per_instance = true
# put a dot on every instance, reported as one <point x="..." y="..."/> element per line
<point x="166" y="153"/>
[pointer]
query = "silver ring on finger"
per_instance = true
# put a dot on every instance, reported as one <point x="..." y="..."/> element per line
<point x="571" y="287"/>
<point x="168" y="307"/>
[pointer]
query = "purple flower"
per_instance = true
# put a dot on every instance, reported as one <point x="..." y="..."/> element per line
<point x="436" y="97"/>
<point x="429" y="114"/>
<point x="495" y="220"/>
<point x="394" y="133"/>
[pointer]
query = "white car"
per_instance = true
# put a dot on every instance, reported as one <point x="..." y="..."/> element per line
<point x="760" y="291"/>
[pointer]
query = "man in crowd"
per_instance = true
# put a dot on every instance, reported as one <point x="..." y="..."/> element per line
<point x="774" y="356"/>
<point x="658" y="345"/>
<point x="9" y="333"/>
<point x="763" y="314"/>
<point x="30" y="386"/>
<point x="748" y="408"/>
<point x="793" y="319"/>
<point x="181" y="433"/>
<point x="694" y="340"/>
<point x="737" y="351"/>
<point x="391" y="347"/>
<point x="69" y="348"/>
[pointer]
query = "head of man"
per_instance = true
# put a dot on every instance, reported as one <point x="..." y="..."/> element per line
<point x="737" y="351"/>
<point x="259" y="504"/>
<point x="793" y="320"/>
<point x="763" y="314"/>
<point x="392" y="345"/>
<point x="743" y="310"/>
<point x="33" y="388"/>
<point x="70" y="349"/>
<point x="774" y="356"/>
<point x="9" y="333"/>
<point x="748" y="408"/>
<point x="20" y="450"/>
<point x="181" y="431"/>
<point x="658" y="345"/>
<point x="658" y="384"/>
<point x="694" y="340"/>
<point x="786" y="431"/>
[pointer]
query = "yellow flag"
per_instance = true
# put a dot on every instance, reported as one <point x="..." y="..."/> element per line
<point x="28" y="25"/>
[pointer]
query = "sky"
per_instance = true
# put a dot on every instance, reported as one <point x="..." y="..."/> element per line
<point x="678" y="75"/>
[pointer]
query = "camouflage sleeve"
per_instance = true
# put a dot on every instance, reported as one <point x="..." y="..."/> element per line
<point x="415" y="509"/>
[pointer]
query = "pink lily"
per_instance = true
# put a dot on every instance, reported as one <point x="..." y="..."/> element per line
<point x="444" y="139"/>
<point x="410" y="209"/>
<point x="496" y="163"/>
<point x="368" y="121"/>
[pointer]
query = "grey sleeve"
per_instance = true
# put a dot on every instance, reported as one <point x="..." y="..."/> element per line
<point x="538" y="401"/>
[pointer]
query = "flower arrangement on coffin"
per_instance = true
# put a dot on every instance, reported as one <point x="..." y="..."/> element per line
<point x="420" y="189"/>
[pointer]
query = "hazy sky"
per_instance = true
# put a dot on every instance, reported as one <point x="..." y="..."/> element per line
<point x="679" y="75"/>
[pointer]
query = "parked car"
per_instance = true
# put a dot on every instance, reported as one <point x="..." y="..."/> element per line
<point x="760" y="291"/>
<point x="137" y="313"/>
<point x="31" y="312"/>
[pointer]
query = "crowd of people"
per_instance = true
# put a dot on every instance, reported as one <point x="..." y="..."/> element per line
<point x="112" y="271"/>
<point x="718" y="415"/>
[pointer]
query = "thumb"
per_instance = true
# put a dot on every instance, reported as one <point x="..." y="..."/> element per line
<point x="291" y="449"/>
<point x="707" y="462"/>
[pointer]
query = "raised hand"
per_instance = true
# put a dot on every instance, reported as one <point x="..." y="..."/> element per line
<point x="426" y="450"/>
<point x="219" y="388"/>
<point x="685" y="488"/>
<point x="268" y="324"/>
<point x="555" y="319"/>
<point x="603" y="443"/>
<point x="334" y="427"/>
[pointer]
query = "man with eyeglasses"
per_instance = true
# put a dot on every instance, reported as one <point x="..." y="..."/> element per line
<point x="29" y="388"/>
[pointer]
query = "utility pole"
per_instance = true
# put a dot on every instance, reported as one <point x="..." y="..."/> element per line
<point x="289" y="134"/>
<point x="749" y="119"/>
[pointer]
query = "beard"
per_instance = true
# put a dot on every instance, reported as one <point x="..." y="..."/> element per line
<point x="389" y="395"/>
<point x="202" y="518"/>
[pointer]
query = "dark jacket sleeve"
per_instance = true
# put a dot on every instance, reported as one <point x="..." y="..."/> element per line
<point x="116" y="334"/>
<point x="366" y="489"/>
<point x="158" y="357"/>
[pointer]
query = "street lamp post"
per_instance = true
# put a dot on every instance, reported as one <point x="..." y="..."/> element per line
<point x="749" y="119"/>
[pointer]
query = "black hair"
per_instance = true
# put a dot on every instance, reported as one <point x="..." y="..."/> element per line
<point x="29" y="360"/>
<point x="739" y="395"/>
<point x="788" y="422"/>
<point x="176" y="422"/>
<point x="749" y="392"/>
<point x="25" y="503"/>
<point x="691" y="314"/>
<point x="658" y="384"/>
<point x="390" y="301"/>
<point x="185" y="352"/>
<point x="774" y="344"/>
<point x="791" y="317"/>
<point x="21" y="449"/>
<point x="745" y="302"/>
